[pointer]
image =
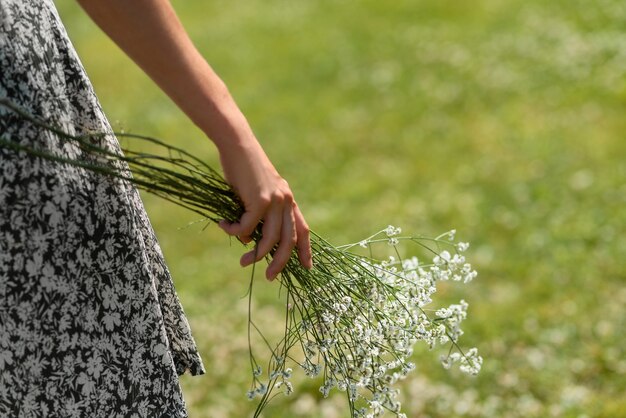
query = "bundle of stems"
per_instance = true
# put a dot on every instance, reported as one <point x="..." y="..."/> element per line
<point x="353" y="318"/>
<point x="171" y="173"/>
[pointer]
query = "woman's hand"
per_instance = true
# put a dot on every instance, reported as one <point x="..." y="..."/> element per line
<point x="162" y="48"/>
<point x="266" y="197"/>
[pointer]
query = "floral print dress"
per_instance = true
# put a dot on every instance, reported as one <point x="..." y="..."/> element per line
<point x="90" y="324"/>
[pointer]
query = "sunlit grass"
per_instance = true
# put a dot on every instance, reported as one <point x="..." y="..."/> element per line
<point x="504" y="120"/>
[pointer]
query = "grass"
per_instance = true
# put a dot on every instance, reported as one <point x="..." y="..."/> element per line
<point x="504" y="120"/>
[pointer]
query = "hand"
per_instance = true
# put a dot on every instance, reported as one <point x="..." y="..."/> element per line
<point x="266" y="197"/>
<point x="163" y="49"/>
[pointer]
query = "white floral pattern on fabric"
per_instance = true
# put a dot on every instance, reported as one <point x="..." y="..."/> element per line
<point x="90" y="323"/>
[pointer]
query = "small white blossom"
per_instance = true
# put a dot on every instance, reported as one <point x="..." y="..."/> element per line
<point x="325" y="390"/>
<point x="392" y="231"/>
<point x="359" y="328"/>
<point x="442" y="258"/>
<point x="443" y="313"/>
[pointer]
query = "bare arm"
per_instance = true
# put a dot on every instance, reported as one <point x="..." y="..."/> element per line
<point x="151" y="34"/>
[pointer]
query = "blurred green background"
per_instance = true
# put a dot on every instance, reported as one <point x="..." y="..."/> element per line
<point x="503" y="119"/>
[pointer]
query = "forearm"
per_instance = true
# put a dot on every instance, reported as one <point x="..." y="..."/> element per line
<point x="150" y="33"/>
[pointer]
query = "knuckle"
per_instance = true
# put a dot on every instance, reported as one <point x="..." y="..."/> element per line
<point x="282" y="192"/>
<point x="293" y="240"/>
<point x="289" y="199"/>
<point x="279" y="260"/>
<point x="279" y="196"/>
<point x="271" y="236"/>
<point x="265" y="200"/>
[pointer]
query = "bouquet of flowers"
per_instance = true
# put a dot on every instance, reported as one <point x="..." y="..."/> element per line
<point x="352" y="319"/>
<point x="355" y="319"/>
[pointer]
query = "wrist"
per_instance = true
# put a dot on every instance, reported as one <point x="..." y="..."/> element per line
<point x="221" y="121"/>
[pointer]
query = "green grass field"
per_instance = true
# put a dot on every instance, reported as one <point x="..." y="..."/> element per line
<point x="503" y="119"/>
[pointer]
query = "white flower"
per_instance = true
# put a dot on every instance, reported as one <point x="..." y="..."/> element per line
<point x="392" y="231"/>
<point x="328" y="317"/>
<point x="261" y="390"/>
<point x="443" y="258"/>
<point x="376" y="407"/>
<point x="443" y="313"/>
<point x="446" y="362"/>
<point x="471" y="362"/>
<point x="289" y="389"/>
<point x="360" y="324"/>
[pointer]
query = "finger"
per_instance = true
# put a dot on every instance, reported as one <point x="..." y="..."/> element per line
<point x="271" y="235"/>
<point x="229" y="228"/>
<point x="285" y="246"/>
<point x="245" y="227"/>
<point x="304" y="239"/>
<point x="225" y="225"/>
<point x="245" y="240"/>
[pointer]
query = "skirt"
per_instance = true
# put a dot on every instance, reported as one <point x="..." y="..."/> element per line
<point x="90" y="323"/>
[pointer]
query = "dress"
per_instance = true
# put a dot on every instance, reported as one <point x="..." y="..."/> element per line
<point x="90" y="323"/>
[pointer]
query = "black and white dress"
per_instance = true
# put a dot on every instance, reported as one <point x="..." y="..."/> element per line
<point x="90" y="324"/>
